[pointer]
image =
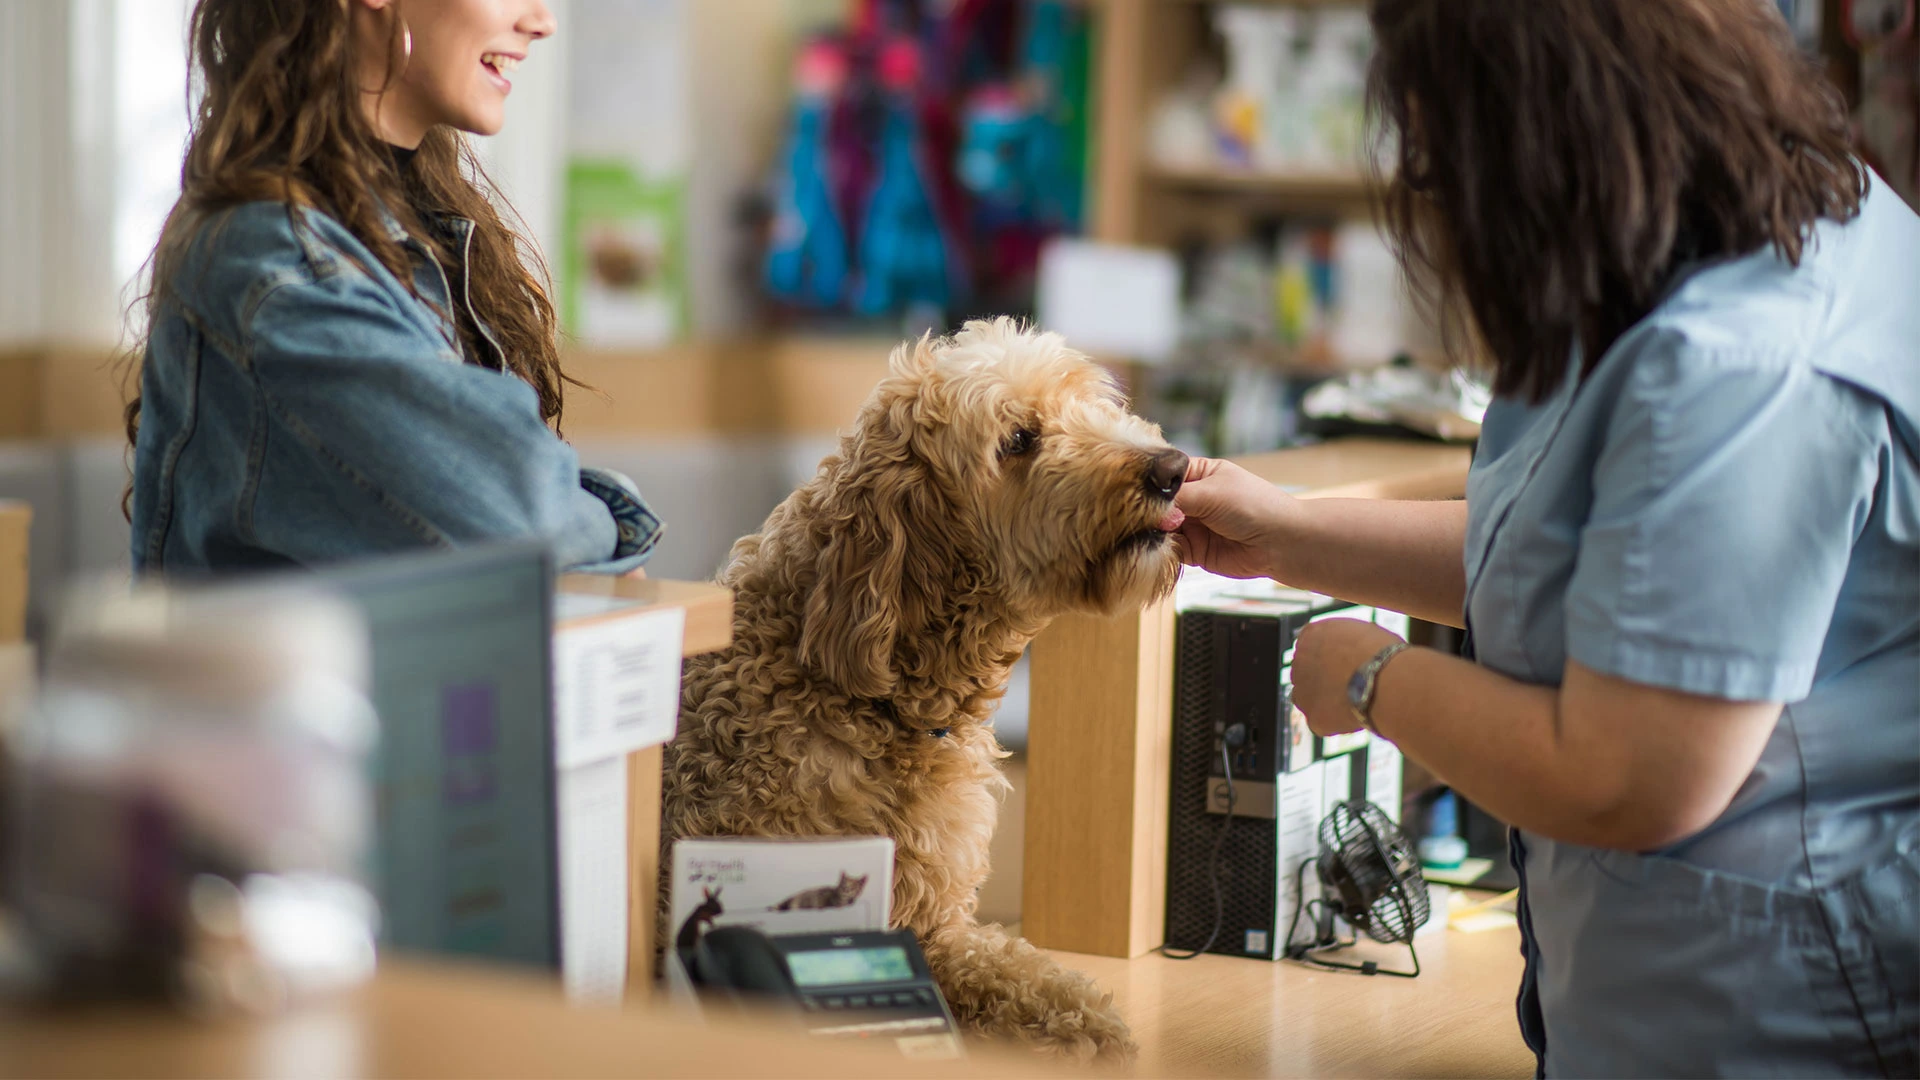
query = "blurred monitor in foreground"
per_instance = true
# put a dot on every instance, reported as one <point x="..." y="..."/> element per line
<point x="465" y="845"/>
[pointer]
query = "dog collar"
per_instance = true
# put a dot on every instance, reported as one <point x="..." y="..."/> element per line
<point x="893" y="714"/>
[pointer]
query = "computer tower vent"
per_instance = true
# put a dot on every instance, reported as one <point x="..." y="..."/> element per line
<point x="1246" y="864"/>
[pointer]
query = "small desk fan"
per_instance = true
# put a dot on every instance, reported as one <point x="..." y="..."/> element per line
<point x="1369" y="876"/>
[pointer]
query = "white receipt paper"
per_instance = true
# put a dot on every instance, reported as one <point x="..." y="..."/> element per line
<point x="616" y="685"/>
<point x="593" y="881"/>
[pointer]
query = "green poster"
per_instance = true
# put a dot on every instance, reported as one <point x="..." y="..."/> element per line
<point x="623" y="279"/>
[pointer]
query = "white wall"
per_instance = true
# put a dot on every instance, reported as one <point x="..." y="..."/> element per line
<point x="739" y="92"/>
<point x="527" y="160"/>
<point x="30" y="104"/>
<point x="93" y="120"/>
<point x="58" y="172"/>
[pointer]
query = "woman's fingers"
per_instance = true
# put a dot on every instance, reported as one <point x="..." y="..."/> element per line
<point x="1199" y="468"/>
<point x="1232" y="518"/>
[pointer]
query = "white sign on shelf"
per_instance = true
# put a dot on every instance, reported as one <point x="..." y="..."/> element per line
<point x="1109" y="300"/>
<point x="616" y="685"/>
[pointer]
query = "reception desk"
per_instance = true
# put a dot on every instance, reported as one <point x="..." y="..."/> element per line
<point x="435" y="1019"/>
<point x="1094" y="894"/>
<point x="1213" y="1016"/>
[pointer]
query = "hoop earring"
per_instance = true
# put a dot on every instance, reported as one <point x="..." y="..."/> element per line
<point x="406" y="42"/>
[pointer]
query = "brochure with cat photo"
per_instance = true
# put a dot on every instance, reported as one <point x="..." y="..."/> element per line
<point x="792" y="886"/>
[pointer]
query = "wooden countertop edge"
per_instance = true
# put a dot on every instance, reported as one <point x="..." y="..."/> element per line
<point x="1439" y="482"/>
<point x="1367" y="468"/>
<point x="442" y="1018"/>
<point x="709" y="607"/>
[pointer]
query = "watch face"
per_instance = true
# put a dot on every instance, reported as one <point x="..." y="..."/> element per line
<point x="1357" y="688"/>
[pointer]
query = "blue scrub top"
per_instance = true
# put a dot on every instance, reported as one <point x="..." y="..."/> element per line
<point x="1729" y="505"/>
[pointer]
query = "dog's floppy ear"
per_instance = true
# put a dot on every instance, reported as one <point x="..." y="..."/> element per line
<point x="858" y="609"/>
<point x="869" y="587"/>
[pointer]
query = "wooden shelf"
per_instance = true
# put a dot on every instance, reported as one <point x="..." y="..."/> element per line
<point x="1298" y="185"/>
<point x="1271" y="3"/>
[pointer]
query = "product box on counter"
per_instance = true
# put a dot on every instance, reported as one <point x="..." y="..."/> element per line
<point x="617" y="651"/>
<point x="777" y="886"/>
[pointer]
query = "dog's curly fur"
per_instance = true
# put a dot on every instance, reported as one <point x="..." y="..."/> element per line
<point x="992" y="481"/>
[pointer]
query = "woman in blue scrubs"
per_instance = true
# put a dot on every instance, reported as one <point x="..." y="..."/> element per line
<point x="1689" y="557"/>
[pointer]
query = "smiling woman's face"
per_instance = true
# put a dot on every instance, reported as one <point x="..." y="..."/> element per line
<point x="459" y="70"/>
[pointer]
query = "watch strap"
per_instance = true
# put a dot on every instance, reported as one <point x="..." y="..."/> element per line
<point x="1368" y="680"/>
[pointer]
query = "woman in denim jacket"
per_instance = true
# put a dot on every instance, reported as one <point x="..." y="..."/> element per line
<point x="346" y="354"/>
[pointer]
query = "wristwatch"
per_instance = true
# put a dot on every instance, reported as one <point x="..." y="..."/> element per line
<point x="1366" y="679"/>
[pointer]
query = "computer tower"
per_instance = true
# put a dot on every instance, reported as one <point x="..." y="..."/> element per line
<point x="1233" y="715"/>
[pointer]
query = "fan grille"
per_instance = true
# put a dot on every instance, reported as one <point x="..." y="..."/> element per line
<point x="1368" y="862"/>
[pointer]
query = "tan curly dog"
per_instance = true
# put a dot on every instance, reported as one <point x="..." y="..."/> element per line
<point x="992" y="481"/>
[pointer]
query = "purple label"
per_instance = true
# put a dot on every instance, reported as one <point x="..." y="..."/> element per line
<point x="467" y="719"/>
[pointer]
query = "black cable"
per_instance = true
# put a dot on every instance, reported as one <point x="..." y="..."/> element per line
<point x="1305" y="953"/>
<point x="1213" y="867"/>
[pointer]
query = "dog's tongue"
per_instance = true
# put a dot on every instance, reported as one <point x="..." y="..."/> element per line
<point x="1172" y="521"/>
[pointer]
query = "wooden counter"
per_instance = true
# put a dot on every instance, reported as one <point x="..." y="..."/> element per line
<point x="433" y="1020"/>
<point x="1213" y="1016"/>
<point x="709" y="607"/>
<point x="1100" y="728"/>
<point x="1228" y="1016"/>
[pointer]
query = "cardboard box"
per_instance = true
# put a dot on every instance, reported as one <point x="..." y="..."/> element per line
<point x="618" y="646"/>
<point x="16" y="520"/>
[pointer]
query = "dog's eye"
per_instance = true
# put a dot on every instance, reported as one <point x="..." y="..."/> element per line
<point x="1020" y="443"/>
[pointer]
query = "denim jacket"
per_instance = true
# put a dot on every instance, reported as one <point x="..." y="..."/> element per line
<point x="300" y="406"/>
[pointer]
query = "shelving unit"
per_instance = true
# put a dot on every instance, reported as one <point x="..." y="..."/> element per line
<point x="1143" y="47"/>
<point x="1279" y="185"/>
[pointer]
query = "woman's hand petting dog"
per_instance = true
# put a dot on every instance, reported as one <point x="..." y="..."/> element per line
<point x="1232" y="519"/>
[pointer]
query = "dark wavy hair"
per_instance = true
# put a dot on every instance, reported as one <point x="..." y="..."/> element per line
<point x="277" y="116"/>
<point x="1556" y="160"/>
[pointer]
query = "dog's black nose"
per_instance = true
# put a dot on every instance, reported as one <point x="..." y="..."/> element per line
<point x="1165" y="471"/>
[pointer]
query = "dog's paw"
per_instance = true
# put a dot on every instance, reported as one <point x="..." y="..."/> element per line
<point x="1085" y="1031"/>
<point x="1002" y="987"/>
<point x="1099" y="1036"/>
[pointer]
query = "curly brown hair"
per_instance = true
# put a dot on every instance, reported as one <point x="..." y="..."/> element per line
<point x="1557" y="160"/>
<point x="278" y="116"/>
